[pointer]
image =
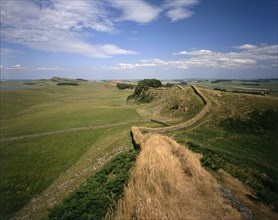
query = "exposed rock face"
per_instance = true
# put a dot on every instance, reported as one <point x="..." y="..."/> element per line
<point x="244" y="210"/>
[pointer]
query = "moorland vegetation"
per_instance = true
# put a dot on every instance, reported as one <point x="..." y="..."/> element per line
<point x="237" y="134"/>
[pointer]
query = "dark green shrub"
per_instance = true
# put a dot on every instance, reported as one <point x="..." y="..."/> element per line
<point x="250" y="92"/>
<point x="169" y="85"/>
<point x="258" y="122"/>
<point x="250" y="84"/>
<point x="99" y="193"/>
<point x="221" y="80"/>
<point x="125" y="86"/>
<point x="140" y="91"/>
<point x="220" y="89"/>
<point x="67" y="84"/>
<point x="183" y="83"/>
<point x="145" y="84"/>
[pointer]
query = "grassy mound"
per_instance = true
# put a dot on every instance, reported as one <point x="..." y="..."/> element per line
<point x="173" y="105"/>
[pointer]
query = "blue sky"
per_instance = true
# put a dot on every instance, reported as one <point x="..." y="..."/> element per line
<point x="135" y="39"/>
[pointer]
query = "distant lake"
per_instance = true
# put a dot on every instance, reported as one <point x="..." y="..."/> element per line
<point x="14" y="87"/>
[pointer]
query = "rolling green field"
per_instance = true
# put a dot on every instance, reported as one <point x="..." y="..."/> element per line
<point x="226" y="137"/>
<point x="269" y="86"/>
<point x="239" y="135"/>
<point x="30" y="165"/>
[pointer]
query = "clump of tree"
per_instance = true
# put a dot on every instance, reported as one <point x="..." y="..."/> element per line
<point x="67" y="84"/>
<point x="140" y="91"/>
<point x="29" y="83"/>
<point x="82" y="80"/>
<point x="221" y="80"/>
<point x="125" y="86"/>
<point x="250" y="84"/>
<point x="250" y="92"/>
<point x="220" y="89"/>
<point x="60" y="79"/>
<point x="169" y="85"/>
<point x="183" y="83"/>
<point x="258" y="80"/>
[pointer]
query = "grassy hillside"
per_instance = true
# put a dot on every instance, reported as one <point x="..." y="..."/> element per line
<point x="53" y="107"/>
<point x="99" y="193"/>
<point x="168" y="182"/>
<point x="270" y="87"/>
<point x="239" y="135"/>
<point x="30" y="165"/>
<point x="172" y="106"/>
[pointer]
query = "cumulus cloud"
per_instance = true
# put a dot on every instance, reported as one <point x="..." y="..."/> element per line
<point x="263" y="56"/>
<point x="130" y="65"/>
<point x="246" y="47"/>
<point x="136" y="10"/>
<point x="58" y="26"/>
<point x="11" y="53"/>
<point x="65" y="26"/>
<point x="14" y="67"/>
<point x="179" y="9"/>
<point x="54" y="68"/>
<point x="194" y="52"/>
<point x="179" y="14"/>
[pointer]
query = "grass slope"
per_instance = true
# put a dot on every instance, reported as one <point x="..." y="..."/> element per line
<point x="173" y="105"/>
<point x="240" y="140"/>
<point x="30" y="166"/>
<point x="51" y="107"/>
<point x="99" y="193"/>
<point x="168" y="182"/>
<point x="270" y="86"/>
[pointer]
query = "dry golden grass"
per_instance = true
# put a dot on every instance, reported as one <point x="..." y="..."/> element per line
<point x="168" y="182"/>
<point x="245" y="195"/>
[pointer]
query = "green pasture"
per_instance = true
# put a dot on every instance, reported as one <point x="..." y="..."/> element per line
<point x="172" y="105"/>
<point x="29" y="166"/>
<point x="263" y="86"/>
<point x="99" y="193"/>
<point x="52" y="107"/>
<point x="245" y="146"/>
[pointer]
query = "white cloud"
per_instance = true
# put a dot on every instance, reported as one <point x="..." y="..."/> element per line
<point x="180" y="3"/>
<point x="55" y="68"/>
<point x="130" y="65"/>
<point x="14" y="67"/>
<point x="58" y="27"/>
<point x="136" y="10"/>
<point x="246" y="47"/>
<point x="179" y="14"/>
<point x="262" y="56"/>
<point x="66" y="26"/>
<point x="9" y="52"/>
<point x="179" y="9"/>
<point x="195" y="52"/>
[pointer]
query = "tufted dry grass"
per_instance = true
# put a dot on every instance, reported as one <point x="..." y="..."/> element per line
<point x="168" y="182"/>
